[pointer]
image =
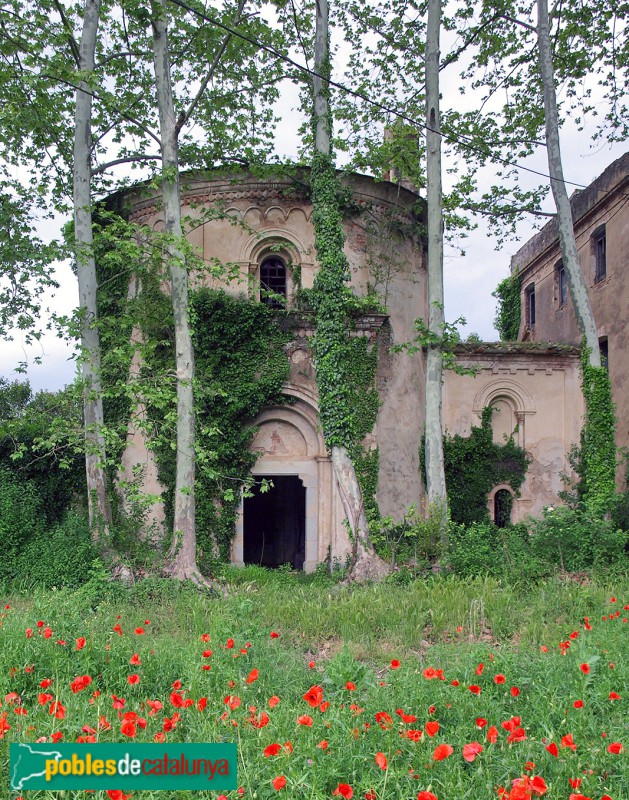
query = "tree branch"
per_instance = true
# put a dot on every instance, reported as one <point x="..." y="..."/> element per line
<point x="185" y="115"/>
<point x="74" y="47"/>
<point x="126" y="160"/>
<point x="454" y="56"/>
<point x="518" y="22"/>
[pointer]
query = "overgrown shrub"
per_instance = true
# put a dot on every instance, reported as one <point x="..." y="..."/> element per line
<point x="572" y="540"/>
<point x="61" y="557"/>
<point x="21" y="519"/>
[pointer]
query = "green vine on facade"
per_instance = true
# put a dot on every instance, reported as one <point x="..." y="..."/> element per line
<point x="509" y="310"/>
<point x="474" y="465"/>
<point x="241" y="365"/>
<point x="598" y="448"/>
<point x="346" y="366"/>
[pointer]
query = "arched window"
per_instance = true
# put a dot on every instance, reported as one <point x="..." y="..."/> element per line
<point x="273" y="282"/>
<point x="503" y="503"/>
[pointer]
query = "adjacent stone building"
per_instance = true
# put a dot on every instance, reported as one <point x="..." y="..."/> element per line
<point x="601" y="224"/>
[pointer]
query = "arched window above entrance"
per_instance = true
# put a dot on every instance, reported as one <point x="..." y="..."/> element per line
<point x="273" y="282"/>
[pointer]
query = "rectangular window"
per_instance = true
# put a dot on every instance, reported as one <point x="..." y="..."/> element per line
<point x="599" y="245"/>
<point x="530" y="305"/>
<point x="562" y="284"/>
<point x="603" y="344"/>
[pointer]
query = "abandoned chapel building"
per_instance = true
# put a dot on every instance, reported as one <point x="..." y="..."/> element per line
<point x="533" y="384"/>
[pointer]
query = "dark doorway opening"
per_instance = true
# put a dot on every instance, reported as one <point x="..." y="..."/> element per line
<point x="503" y="503"/>
<point x="274" y="524"/>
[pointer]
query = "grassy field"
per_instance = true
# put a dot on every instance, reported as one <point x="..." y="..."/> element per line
<point x="443" y="688"/>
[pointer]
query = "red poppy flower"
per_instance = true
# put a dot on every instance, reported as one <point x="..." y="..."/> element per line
<point x="499" y="678"/>
<point x="407" y="718"/>
<point x="304" y="719"/>
<point x="395" y="664"/>
<point x="479" y="669"/>
<point x="344" y="790"/>
<point x="426" y="796"/>
<point x="538" y="785"/>
<point x="514" y="691"/>
<point x="470" y="751"/>
<point x="442" y="751"/>
<point x="585" y="669"/>
<point x="492" y="734"/>
<point x="314" y="696"/>
<point x="272" y="750"/>
<point x="274" y="635"/>
<point x="325" y="705"/>
<point x="517" y="735"/>
<point x="381" y="760"/>
<point x="384" y="720"/>
<point x="128" y="728"/>
<point x="481" y="722"/>
<point x="134" y="679"/>
<point x="474" y="689"/>
<point x="615" y="748"/>
<point x="253" y="676"/>
<point x="578" y="704"/>
<point x="135" y="660"/>
<point x="370" y="795"/>
<point x="80" y="643"/>
<point x="575" y="782"/>
<point x="568" y="741"/>
<point x="116" y="794"/>
<point x="413" y="735"/>
<point x="323" y="744"/>
<point x="553" y="749"/>
<point x="57" y="710"/>
<point x="273" y="701"/>
<point x="431" y="727"/>
<point x="279" y="782"/>
<point x="614" y="696"/>
<point x="259" y="722"/>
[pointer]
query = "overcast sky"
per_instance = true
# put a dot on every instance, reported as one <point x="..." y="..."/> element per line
<point x="469" y="279"/>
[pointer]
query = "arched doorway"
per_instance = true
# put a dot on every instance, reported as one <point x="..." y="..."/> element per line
<point x="288" y="523"/>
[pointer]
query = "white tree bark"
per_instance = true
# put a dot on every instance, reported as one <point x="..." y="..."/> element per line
<point x="182" y="556"/>
<point x="366" y="564"/>
<point x="568" y="245"/>
<point x="98" y="506"/>
<point x="435" y="473"/>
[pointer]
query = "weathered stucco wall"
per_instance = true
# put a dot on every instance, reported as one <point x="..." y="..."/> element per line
<point x="538" y="400"/>
<point x="603" y="203"/>
<point x="260" y="217"/>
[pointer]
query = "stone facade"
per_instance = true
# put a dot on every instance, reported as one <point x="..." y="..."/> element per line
<point x="270" y="218"/>
<point x="535" y="392"/>
<point x="601" y="223"/>
<point x="533" y="388"/>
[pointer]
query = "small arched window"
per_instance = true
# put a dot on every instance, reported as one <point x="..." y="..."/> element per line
<point x="503" y="503"/>
<point x="273" y="282"/>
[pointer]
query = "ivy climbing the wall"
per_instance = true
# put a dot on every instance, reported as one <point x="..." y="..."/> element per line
<point x="474" y="464"/>
<point x="241" y="365"/>
<point x="598" y="448"/>
<point x="509" y="310"/>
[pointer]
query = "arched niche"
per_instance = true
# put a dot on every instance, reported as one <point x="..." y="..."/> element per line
<point x="511" y="402"/>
